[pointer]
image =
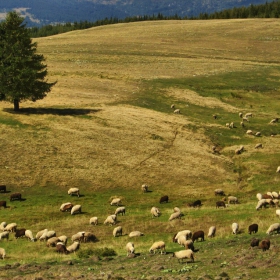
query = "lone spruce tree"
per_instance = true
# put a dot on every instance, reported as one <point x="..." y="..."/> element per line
<point x="22" y="71"/>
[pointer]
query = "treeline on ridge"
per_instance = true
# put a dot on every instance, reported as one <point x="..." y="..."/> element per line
<point x="267" y="10"/>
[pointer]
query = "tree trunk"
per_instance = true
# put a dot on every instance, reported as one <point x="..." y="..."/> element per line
<point x="16" y="105"/>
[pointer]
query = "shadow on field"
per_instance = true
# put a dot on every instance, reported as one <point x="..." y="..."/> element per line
<point x="53" y="111"/>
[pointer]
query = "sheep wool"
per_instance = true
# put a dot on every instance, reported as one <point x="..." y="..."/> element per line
<point x="212" y="231"/>
<point x="2" y="253"/>
<point x="129" y="248"/>
<point x="159" y="245"/>
<point x="184" y="254"/>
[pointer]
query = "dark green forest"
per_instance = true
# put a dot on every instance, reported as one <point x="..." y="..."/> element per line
<point x="267" y="10"/>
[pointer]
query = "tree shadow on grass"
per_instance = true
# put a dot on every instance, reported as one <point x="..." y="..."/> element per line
<point x="52" y="111"/>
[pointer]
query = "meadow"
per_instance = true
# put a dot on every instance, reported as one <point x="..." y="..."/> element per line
<point x="107" y="127"/>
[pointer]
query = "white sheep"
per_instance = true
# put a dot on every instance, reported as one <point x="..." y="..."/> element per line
<point x="75" y="191"/>
<point x="2" y="226"/>
<point x="249" y="132"/>
<point x="258" y="146"/>
<point x="65" y="206"/>
<point x="235" y="228"/>
<point x="242" y="124"/>
<point x="273" y="227"/>
<point x="47" y="234"/>
<point x="5" y="235"/>
<point x="232" y="199"/>
<point x="116" y="201"/>
<point x="129" y="248"/>
<point x="93" y="221"/>
<point x="231" y="125"/>
<point x="274" y="120"/>
<point x="155" y="212"/>
<point x="258" y="134"/>
<point x="40" y="233"/>
<point x="278" y="212"/>
<point x="184" y="254"/>
<point x="76" y="209"/>
<point x="187" y="233"/>
<point x="144" y="188"/>
<point x="63" y="239"/>
<point x="239" y="150"/>
<point x="181" y="239"/>
<point x="212" y="231"/>
<point x="135" y="233"/>
<point x="176" y="209"/>
<point x="53" y="241"/>
<point x="261" y="203"/>
<point x="172" y="106"/>
<point x="78" y="236"/>
<point x="240" y="115"/>
<point x="28" y="233"/>
<point x="276" y="202"/>
<point x="11" y="227"/>
<point x="278" y="169"/>
<point x="159" y="245"/>
<point x="259" y="196"/>
<point x="175" y="215"/>
<point x="117" y="231"/>
<point x="244" y="119"/>
<point x="120" y="210"/>
<point x="275" y="194"/>
<point x="248" y="115"/>
<point x="111" y="220"/>
<point x="177" y="111"/>
<point x="73" y="247"/>
<point x="2" y="253"/>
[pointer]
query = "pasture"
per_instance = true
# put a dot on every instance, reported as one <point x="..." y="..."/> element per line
<point x="107" y="127"/>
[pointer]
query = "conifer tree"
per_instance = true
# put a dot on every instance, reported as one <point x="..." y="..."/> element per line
<point x="22" y="71"/>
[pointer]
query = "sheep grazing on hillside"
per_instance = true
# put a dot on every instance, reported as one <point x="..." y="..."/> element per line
<point x="278" y="213"/>
<point x="219" y="192"/>
<point x="66" y="207"/>
<point x="93" y="221"/>
<point x="4" y="235"/>
<point x="172" y="106"/>
<point x="2" y="253"/>
<point x="164" y="199"/>
<point x="220" y="204"/>
<point x="195" y="204"/>
<point x="186" y="233"/>
<point x="253" y="228"/>
<point x="259" y="196"/>
<point x="189" y="245"/>
<point x="212" y="231"/>
<point x="144" y="188"/>
<point x="47" y="235"/>
<point x="29" y="235"/>
<point x="129" y="248"/>
<point x="75" y="191"/>
<point x="159" y="245"/>
<point x="53" y="241"/>
<point x="198" y="235"/>
<point x="63" y="239"/>
<point x="258" y="134"/>
<point x="73" y="247"/>
<point x="240" y="115"/>
<point x="155" y="212"/>
<point x="136" y="233"/>
<point x="120" y="210"/>
<point x="116" y="201"/>
<point x="79" y="236"/>
<point x="235" y="228"/>
<point x="117" y="231"/>
<point x="61" y="248"/>
<point x="278" y="169"/>
<point x="261" y="203"/>
<point x="89" y="237"/>
<point x="11" y="227"/>
<point x="247" y="115"/>
<point x="76" y="209"/>
<point x="40" y="233"/>
<point x="275" y="194"/>
<point x="273" y="227"/>
<point x="264" y="244"/>
<point x="111" y="220"/>
<point x="274" y="120"/>
<point x="258" y="146"/>
<point x="177" y="111"/>
<point x="175" y="215"/>
<point x="176" y="209"/>
<point x="184" y="254"/>
<point x="232" y="199"/>
<point x="2" y="226"/>
<point x="249" y="132"/>
<point x="255" y="242"/>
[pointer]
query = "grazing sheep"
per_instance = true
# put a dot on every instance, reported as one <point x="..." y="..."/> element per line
<point x="89" y="237"/>
<point x="63" y="239"/>
<point x="40" y="233"/>
<point x="242" y="124"/>
<point x="144" y="188"/>
<point x="93" y="221"/>
<point x="227" y="124"/>
<point x="73" y="247"/>
<point x="278" y="169"/>
<point x="120" y="210"/>
<point x="53" y="241"/>
<point x="232" y="199"/>
<point x="214" y="116"/>
<point x="75" y="191"/>
<point x="20" y="233"/>
<point x="273" y="227"/>
<point x="248" y="115"/>
<point x="249" y="132"/>
<point x="2" y="226"/>
<point x="61" y="248"/>
<point x="244" y="119"/>
<point x="235" y="228"/>
<point x="15" y="196"/>
<point x="3" y="204"/>
<point x="175" y="215"/>
<point x="197" y="235"/>
<point x="189" y="245"/>
<point x="76" y="209"/>
<point x="212" y="231"/>
<point x="164" y="199"/>
<point x="274" y="120"/>
<point x="253" y="228"/>
<point x="111" y="220"/>
<point x="259" y="196"/>
<point x="11" y="227"/>
<point x="184" y="254"/>
<point x="276" y="202"/>
<point x="255" y="242"/>
<point x="3" y="188"/>
<point x="136" y="233"/>
<point x="2" y="253"/>
<point x="220" y="204"/>
<point x="231" y="125"/>
<point x="195" y="204"/>
<point x="278" y="213"/>
<point x="267" y="195"/>
<point x="275" y="195"/>
<point x="240" y="115"/>
<point x="181" y="239"/>
<point x="66" y="207"/>
<point x="172" y="106"/>
<point x="155" y="212"/>
<point x="239" y="150"/>
<point x="177" y="111"/>
<point x="176" y="209"/>
<point x="265" y="244"/>
<point x="78" y="236"/>
<point x="219" y="192"/>
<point x="187" y="233"/>
<point x="129" y="248"/>
<point x="116" y="201"/>
<point x="261" y="203"/>
<point x="5" y="235"/>
<point x="159" y="245"/>
<point x="258" y="134"/>
<point x="258" y="146"/>
<point x="117" y="231"/>
<point x="48" y="234"/>
<point x="29" y="235"/>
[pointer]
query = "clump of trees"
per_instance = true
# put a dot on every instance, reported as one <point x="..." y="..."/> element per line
<point x="22" y="70"/>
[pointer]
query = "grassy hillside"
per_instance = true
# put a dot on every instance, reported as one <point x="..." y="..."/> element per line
<point x="107" y="128"/>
